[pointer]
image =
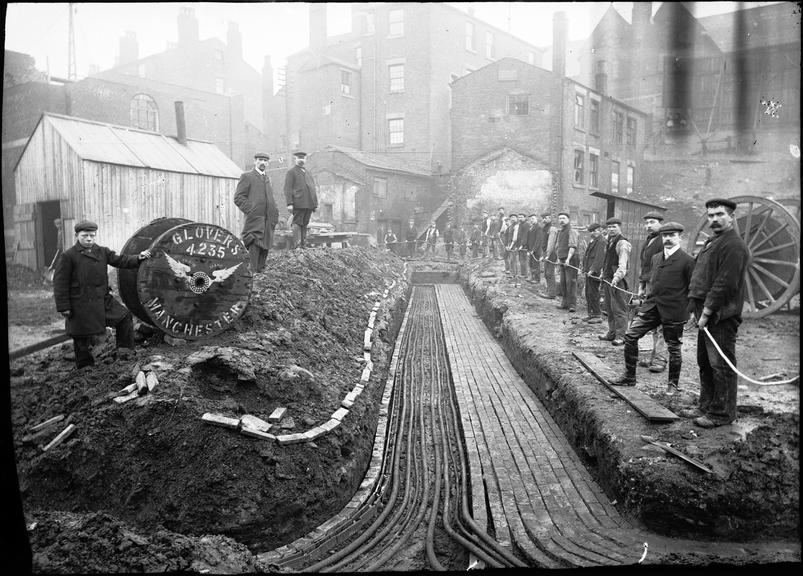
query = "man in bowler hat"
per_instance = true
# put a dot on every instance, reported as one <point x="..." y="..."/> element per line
<point x="301" y="196"/>
<point x="254" y="197"/>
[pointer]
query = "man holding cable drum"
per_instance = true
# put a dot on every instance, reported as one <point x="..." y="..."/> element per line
<point x="716" y="298"/>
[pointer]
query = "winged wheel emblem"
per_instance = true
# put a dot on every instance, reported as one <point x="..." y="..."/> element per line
<point x="199" y="282"/>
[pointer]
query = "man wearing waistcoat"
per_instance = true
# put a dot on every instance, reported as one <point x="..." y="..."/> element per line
<point x="652" y="246"/>
<point x="535" y="238"/>
<point x="614" y="270"/>
<point x="254" y="198"/>
<point x="301" y="196"/>
<point x="666" y="306"/>
<point x="568" y="259"/>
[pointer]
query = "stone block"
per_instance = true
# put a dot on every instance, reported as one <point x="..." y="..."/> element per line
<point x="257" y="433"/>
<point x="339" y="414"/>
<point x="277" y="415"/>
<point x="330" y="425"/>
<point x="366" y="374"/>
<point x="255" y="423"/>
<point x="347" y="403"/>
<point x="286" y="439"/>
<point x="220" y="420"/>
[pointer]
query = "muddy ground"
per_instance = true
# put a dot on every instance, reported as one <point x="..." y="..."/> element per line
<point x="147" y="486"/>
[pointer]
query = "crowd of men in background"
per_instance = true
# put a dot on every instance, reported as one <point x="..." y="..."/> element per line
<point x="673" y="291"/>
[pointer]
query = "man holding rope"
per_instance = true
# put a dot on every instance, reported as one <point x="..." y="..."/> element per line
<point x="566" y="250"/>
<point x="614" y="270"/>
<point x="666" y="306"/>
<point x="652" y="246"/>
<point x="716" y="298"/>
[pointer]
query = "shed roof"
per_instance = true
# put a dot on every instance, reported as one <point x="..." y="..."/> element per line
<point x="111" y="144"/>
<point x="633" y="197"/>
<point x="384" y="161"/>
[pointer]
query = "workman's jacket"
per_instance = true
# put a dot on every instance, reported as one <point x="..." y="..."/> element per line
<point x="300" y="189"/>
<point x="550" y="252"/>
<point x="521" y="237"/>
<point x="476" y="236"/>
<point x="669" y="285"/>
<point x="81" y="286"/>
<point x="410" y="233"/>
<point x="594" y="256"/>
<point x="652" y="246"/>
<point x="254" y="198"/>
<point x="535" y="237"/>
<point x="448" y="236"/>
<point x="431" y="235"/>
<point x="718" y="280"/>
<point x="390" y="238"/>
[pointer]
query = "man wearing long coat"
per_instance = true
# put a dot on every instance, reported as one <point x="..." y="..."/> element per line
<point x="300" y="193"/>
<point x="254" y="197"/>
<point x="83" y="298"/>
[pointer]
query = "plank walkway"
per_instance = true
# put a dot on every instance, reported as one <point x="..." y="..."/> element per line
<point x="540" y="498"/>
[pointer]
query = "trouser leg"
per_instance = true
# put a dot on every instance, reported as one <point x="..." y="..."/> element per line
<point x="619" y="307"/>
<point x="253" y="257"/>
<point x="673" y="335"/>
<point x="659" y="345"/>
<point x="722" y="405"/>
<point x="569" y="281"/>
<point x="549" y="276"/>
<point x="642" y="323"/>
<point x="83" y="354"/>
<point x="523" y="257"/>
<point x="592" y="296"/>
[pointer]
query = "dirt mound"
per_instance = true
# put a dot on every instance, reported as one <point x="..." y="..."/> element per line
<point x="151" y="462"/>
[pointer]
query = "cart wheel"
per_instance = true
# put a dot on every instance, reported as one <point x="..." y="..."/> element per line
<point x="772" y="235"/>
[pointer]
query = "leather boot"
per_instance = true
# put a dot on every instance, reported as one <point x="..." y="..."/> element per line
<point x="297" y="238"/>
<point x="631" y="359"/>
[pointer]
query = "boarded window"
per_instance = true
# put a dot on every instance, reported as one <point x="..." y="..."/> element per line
<point x="631" y="131"/>
<point x="144" y="114"/>
<point x="618" y="127"/>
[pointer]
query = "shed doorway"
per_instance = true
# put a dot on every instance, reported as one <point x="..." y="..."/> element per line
<point x="48" y="235"/>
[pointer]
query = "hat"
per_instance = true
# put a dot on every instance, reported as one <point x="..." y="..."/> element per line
<point x="610" y="221"/>
<point x="522" y="214"/>
<point x="593" y="226"/>
<point x="721" y="202"/>
<point x="531" y="215"/>
<point x="671" y="227"/>
<point x="564" y="213"/>
<point x="654" y="215"/>
<point x="546" y="213"/>
<point x="85" y="225"/>
<point x="300" y="154"/>
<point x="261" y="155"/>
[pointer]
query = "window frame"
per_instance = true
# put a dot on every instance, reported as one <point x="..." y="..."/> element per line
<point x="391" y="78"/>
<point x="511" y="103"/>
<point x="594" y="115"/>
<point x="345" y="87"/>
<point x="593" y="170"/>
<point x="579" y="111"/>
<point x="630" y="178"/>
<point x="617" y="127"/>
<point x="579" y="153"/>
<point x="150" y="110"/>
<point x="615" y="172"/>
<point x="391" y="119"/>
<point x="395" y="23"/>
<point x="383" y="194"/>
<point x="490" y="45"/>
<point x="631" y="131"/>
<point x="470" y="34"/>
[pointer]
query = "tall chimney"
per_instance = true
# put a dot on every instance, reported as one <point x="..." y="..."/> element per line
<point x="181" y="126"/>
<point x="641" y="15"/>
<point x="601" y="78"/>
<point x="317" y="25"/>
<point x="129" y="48"/>
<point x="559" y="43"/>
<point x="187" y="26"/>
<point x="234" y="43"/>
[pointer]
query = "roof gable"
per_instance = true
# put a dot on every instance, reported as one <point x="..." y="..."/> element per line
<point x="388" y="162"/>
<point x="773" y="25"/>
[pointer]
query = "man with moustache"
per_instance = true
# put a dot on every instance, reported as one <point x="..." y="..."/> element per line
<point x="410" y="237"/>
<point x="568" y="260"/>
<point x="548" y="257"/>
<point x="254" y="198"/>
<point x="666" y="306"/>
<point x="652" y="246"/>
<point x="535" y="236"/>
<point x="521" y="246"/>
<point x="716" y="298"/>
<point x="300" y="192"/>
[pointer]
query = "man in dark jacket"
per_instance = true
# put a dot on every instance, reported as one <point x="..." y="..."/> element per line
<point x="652" y="246"/>
<point x="666" y="306"/>
<point x="448" y="240"/>
<point x="592" y="268"/>
<point x="410" y="237"/>
<point x="521" y="246"/>
<point x="301" y="195"/>
<point x="254" y="198"/>
<point x="475" y="240"/>
<point x="716" y="298"/>
<point x="567" y="244"/>
<point x="548" y="256"/>
<point x="461" y="240"/>
<point x="82" y="294"/>
<point x="534" y="240"/>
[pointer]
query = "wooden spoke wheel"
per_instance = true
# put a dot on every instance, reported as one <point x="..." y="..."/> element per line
<point x="772" y="235"/>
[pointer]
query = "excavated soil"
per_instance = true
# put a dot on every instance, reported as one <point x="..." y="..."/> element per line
<point x="141" y="485"/>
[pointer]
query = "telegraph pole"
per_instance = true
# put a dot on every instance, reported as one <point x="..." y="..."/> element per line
<point x="71" y="66"/>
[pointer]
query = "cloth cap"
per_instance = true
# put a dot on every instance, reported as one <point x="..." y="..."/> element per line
<point x="564" y="213"/>
<point x="300" y="154"/>
<point x="655" y="215"/>
<point x="261" y="155"/>
<point x="546" y="213"/>
<point x="87" y="225"/>
<point x="671" y="227"/>
<point x="610" y="221"/>
<point x="593" y="226"/>
<point x="721" y="202"/>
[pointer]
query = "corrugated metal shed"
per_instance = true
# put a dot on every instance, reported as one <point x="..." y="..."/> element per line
<point x="125" y="146"/>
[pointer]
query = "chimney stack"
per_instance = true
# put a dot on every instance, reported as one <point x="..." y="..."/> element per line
<point x="181" y="126"/>
<point x="317" y="25"/>
<point x="187" y="26"/>
<point x="129" y="48"/>
<point x="641" y="16"/>
<point x="559" y="26"/>
<point x="234" y="43"/>
<point x="601" y="78"/>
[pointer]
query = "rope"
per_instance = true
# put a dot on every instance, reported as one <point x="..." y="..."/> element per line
<point x="632" y="294"/>
<point x="732" y="367"/>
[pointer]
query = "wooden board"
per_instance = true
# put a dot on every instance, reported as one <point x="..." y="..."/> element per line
<point x="643" y="404"/>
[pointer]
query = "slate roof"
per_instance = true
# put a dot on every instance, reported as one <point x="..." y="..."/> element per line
<point x="392" y="162"/>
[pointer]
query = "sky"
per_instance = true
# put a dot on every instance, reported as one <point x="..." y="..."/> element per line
<point x="268" y="28"/>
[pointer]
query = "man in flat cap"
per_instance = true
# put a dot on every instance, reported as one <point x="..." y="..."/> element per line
<point x="83" y="298"/>
<point x="614" y="270"/>
<point x="535" y="237"/>
<point x="666" y="305"/>
<point x="716" y="298"/>
<point x="548" y="255"/>
<point x="566" y="247"/>
<point x="301" y="195"/>
<point x="652" y="246"/>
<point x="254" y="197"/>
<point x="592" y="267"/>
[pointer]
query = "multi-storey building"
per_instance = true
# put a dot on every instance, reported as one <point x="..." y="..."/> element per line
<point x="384" y="87"/>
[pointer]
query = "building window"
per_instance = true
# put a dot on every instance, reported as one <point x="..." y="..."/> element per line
<point x="381" y="187"/>
<point x="470" y="44"/>
<point x="395" y="131"/>
<point x="489" y="45"/>
<point x="144" y="113"/>
<point x="518" y="104"/>
<point x="630" y="175"/>
<point x="614" y="177"/>
<point x="396" y="23"/>
<point x="593" y="170"/>
<point x="396" y="74"/>
<point x="220" y="85"/>
<point x="594" y="116"/>
<point x="358" y="56"/>
<point x="578" y="166"/>
<point x="618" y="127"/>
<point x="631" y="131"/>
<point x="579" y="111"/>
<point x="345" y="82"/>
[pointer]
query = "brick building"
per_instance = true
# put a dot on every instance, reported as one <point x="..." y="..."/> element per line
<point x="530" y="139"/>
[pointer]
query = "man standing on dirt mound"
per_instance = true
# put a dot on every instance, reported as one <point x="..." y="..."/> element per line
<point x="301" y="196"/>
<point x="254" y="197"/>
<point x="82" y="294"/>
<point x="716" y="298"/>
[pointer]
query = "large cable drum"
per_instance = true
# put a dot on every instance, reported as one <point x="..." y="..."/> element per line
<point x="197" y="282"/>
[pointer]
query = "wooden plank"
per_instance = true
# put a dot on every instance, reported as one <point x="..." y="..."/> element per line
<point x="19" y="353"/>
<point x="642" y="403"/>
<point x="678" y="453"/>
